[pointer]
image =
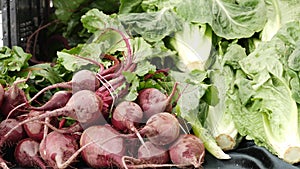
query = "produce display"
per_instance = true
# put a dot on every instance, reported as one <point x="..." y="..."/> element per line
<point x="154" y="84"/>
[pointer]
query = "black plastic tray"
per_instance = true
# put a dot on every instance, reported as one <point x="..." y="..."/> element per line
<point x="248" y="156"/>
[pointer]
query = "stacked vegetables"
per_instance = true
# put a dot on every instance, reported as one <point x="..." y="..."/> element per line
<point x="229" y="68"/>
<point x="102" y="144"/>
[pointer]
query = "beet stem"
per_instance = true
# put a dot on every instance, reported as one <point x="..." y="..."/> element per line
<point x="15" y="85"/>
<point x="172" y="92"/>
<point x="37" y="31"/>
<point x="3" y="165"/>
<point x="127" y="43"/>
<point x="46" y="129"/>
<point x="149" y="165"/>
<point x="140" y="137"/>
<point x="73" y="129"/>
<point x="100" y="78"/>
<point x="39" y="162"/>
<point x="92" y="61"/>
<point x="57" y="112"/>
<point x="67" y="85"/>
<point x="113" y="68"/>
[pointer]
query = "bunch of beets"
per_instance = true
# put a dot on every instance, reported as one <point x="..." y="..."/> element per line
<point x="107" y="131"/>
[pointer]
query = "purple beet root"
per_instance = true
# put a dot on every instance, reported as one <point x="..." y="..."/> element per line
<point x="13" y="97"/>
<point x="153" y="101"/>
<point x="17" y="134"/>
<point x="126" y="116"/>
<point x="107" y="150"/>
<point x="58" y="100"/>
<point x="57" y="148"/>
<point x="152" y="154"/>
<point x="27" y="154"/>
<point x="188" y="150"/>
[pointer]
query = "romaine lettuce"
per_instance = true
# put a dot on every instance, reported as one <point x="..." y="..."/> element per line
<point x="264" y="107"/>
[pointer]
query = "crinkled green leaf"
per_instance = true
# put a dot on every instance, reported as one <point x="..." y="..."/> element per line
<point x="13" y="59"/>
<point x="65" y="9"/>
<point x="188" y="107"/>
<point x="153" y="26"/>
<point x="279" y="12"/>
<point x="228" y="19"/>
<point x="95" y="20"/>
<point x="264" y="99"/>
<point x="278" y="57"/>
<point x="156" y="5"/>
<point x="130" y="6"/>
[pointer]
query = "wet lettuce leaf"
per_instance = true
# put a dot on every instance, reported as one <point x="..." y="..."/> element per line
<point x="265" y="95"/>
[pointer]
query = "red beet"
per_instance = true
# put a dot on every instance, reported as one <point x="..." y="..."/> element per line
<point x="27" y="154"/>
<point x="17" y="134"/>
<point x="188" y="150"/>
<point x="84" y="106"/>
<point x="149" y="156"/>
<point x="152" y="154"/>
<point x="10" y="140"/>
<point x="107" y="150"/>
<point x="153" y="101"/>
<point x="161" y="129"/>
<point x="13" y="97"/>
<point x="126" y="116"/>
<point x="57" y="148"/>
<point x="35" y="129"/>
<point x="58" y="100"/>
<point x="82" y="80"/>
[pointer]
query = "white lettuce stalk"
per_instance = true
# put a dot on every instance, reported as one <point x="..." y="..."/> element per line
<point x="193" y="44"/>
<point x="219" y="118"/>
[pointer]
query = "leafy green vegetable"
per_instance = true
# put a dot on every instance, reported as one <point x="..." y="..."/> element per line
<point x="128" y="6"/>
<point x="263" y="105"/>
<point x="279" y="13"/>
<point x="13" y="59"/>
<point x="228" y="19"/>
<point x="69" y="14"/>
<point x="152" y="26"/>
<point x="277" y="57"/>
<point x="64" y="8"/>
<point x="236" y="61"/>
<point x="190" y="108"/>
<point x="193" y="44"/>
<point x="14" y="65"/>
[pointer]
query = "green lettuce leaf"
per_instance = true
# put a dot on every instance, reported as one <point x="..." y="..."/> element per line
<point x="190" y="107"/>
<point x="219" y="119"/>
<point x="13" y="59"/>
<point x="228" y="19"/>
<point x="279" y="13"/>
<point x="264" y="105"/>
<point x="152" y="26"/>
<point x="278" y="56"/>
<point x="130" y="6"/>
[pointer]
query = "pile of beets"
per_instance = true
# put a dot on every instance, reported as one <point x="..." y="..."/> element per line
<point x="108" y="131"/>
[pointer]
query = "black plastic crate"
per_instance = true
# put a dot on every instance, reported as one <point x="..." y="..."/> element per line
<point x="20" y="18"/>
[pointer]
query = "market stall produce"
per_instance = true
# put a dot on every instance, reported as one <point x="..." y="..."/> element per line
<point x="147" y="83"/>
